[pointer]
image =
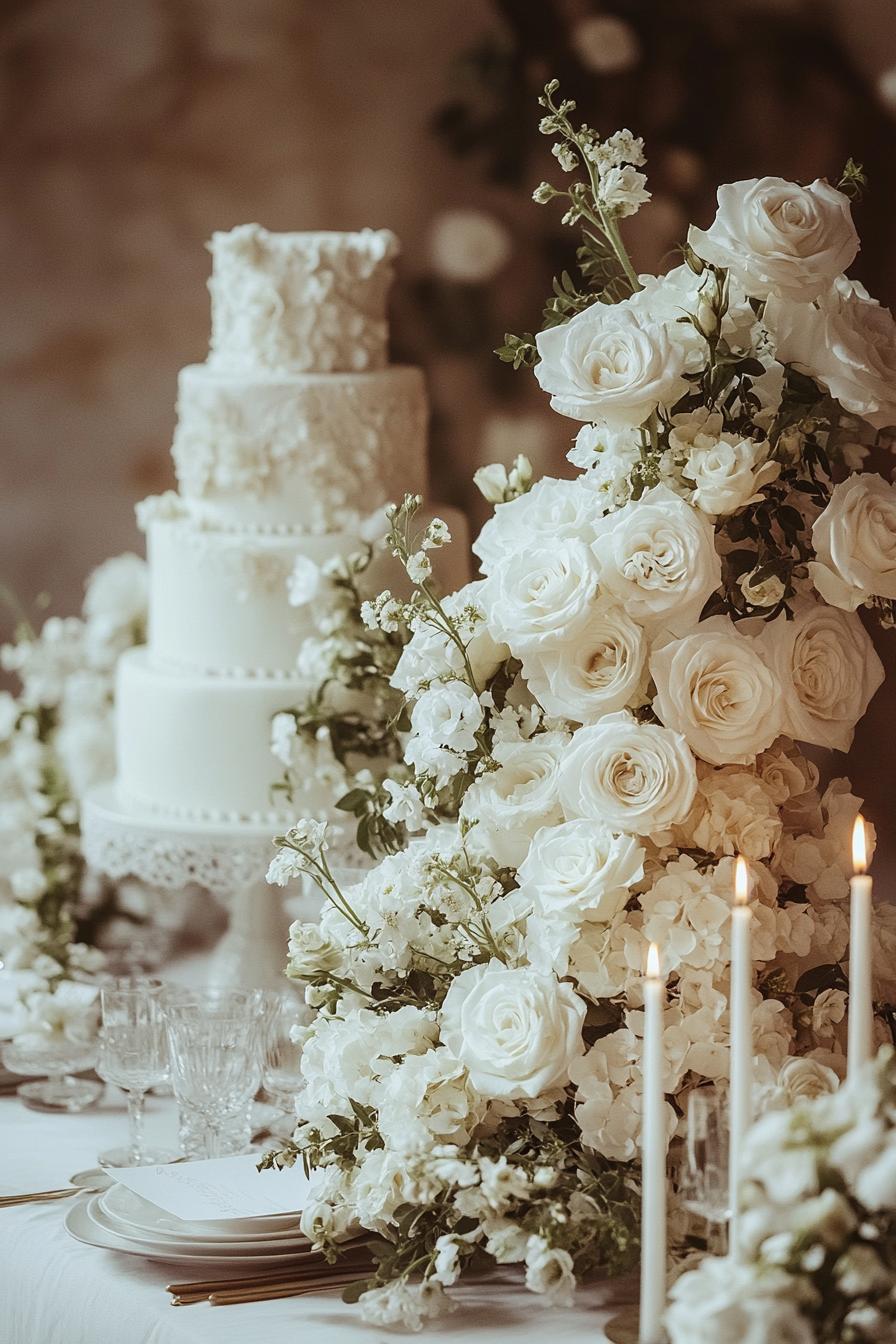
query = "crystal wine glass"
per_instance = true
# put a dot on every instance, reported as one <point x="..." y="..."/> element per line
<point x="704" y="1172"/>
<point x="281" y="1070"/>
<point x="215" y="1039"/>
<point x="133" y="1055"/>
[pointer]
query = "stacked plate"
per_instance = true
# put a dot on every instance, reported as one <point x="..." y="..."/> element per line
<point x="120" y="1220"/>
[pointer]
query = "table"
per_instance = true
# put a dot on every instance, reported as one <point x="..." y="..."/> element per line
<point x="53" y="1290"/>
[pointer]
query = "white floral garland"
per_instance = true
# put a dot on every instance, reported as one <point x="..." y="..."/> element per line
<point x="610" y="714"/>
<point x="56" y="741"/>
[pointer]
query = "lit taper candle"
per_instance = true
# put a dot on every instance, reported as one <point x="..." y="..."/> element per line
<point x="741" y="1026"/>
<point x="861" y="1012"/>
<point x="653" y="1157"/>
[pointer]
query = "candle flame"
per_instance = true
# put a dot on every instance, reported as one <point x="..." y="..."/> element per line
<point x="859" y="846"/>
<point x="741" y="881"/>
<point x="653" y="962"/>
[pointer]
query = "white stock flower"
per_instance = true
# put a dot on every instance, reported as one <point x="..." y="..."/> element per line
<point x="635" y="778"/>
<point x="827" y="672"/>
<point x="780" y="238"/>
<point x="405" y="807"/>
<point x="855" y="543"/>
<point x="431" y="653"/>
<point x="597" y="672"/>
<point x="553" y="510"/>
<point x="607" y="363"/>
<point x="848" y="343"/>
<point x="516" y="1031"/>
<point x="540" y="594"/>
<point x="657" y="558"/>
<point x="510" y="804"/>
<point x="304" y="582"/>
<point x="714" y="688"/>
<point x="623" y="190"/>
<point x="449" y="715"/>
<point x="580" y="871"/>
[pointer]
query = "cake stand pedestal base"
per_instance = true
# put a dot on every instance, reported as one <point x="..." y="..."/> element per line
<point x="229" y="860"/>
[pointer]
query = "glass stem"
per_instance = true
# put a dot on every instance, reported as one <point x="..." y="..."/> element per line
<point x="135" y="1126"/>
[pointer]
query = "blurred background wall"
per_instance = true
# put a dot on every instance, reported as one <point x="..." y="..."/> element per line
<point x="131" y="129"/>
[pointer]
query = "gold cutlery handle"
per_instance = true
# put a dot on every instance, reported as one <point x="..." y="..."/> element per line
<point x="39" y="1196"/>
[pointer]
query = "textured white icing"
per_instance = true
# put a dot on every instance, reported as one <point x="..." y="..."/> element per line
<point x="193" y="746"/>
<point x="300" y="302"/>
<point x="311" y="452"/>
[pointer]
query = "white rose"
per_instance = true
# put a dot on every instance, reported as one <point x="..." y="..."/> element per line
<point x="609" y="364"/>
<point x="780" y="238"/>
<point x="635" y="778"/>
<point x="802" y="1078"/>
<point x="855" y="543"/>
<point x="728" y="471"/>
<point x="449" y="715"/>
<point x="552" y="510"/>
<point x="714" y="689"/>
<point x="510" y="804"/>
<point x="657" y="558"/>
<point x="827" y="672"/>
<point x="847" y="342"/>
<point x="580" y="870"/>
<point x="516" y="1031"/>
<point x="723" y="1302"/>
<point x="598" y="672"/>
<point x="541" y="594"/>
<point x="766" y="592"/>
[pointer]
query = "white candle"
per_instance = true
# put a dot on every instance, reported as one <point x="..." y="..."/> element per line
<point x="861" y="1012"/>
<point x="653" y="1158"/>
<point x="741" y="1020"/>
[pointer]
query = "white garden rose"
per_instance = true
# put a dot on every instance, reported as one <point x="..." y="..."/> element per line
<point x="609" y="364"/>
<point x="657" y="558"/>
<point x="855" y="543"/>
<point x="599" y="671"/>
<point x="847" y="341"/>
<point x="541" y="594"/>
<point x="723" y="1302"/>
<point x="727" y="471"/>
<point x="516" y="1031"/>
<point x="635" y="778"/>
<point x="552" y="510"/>
<point x="827" y="670"/>
<point x="510" y="804"/>
<point x="780" y="238"/>
<point x="714" y="688"/>
<point x="580" y="870"/>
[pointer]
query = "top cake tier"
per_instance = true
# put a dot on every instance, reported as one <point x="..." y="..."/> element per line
<point x="300" y="302"/>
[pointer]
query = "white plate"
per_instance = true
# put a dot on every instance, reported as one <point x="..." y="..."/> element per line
<point x="129" y="1213"/>
<point x="277" y="1246"/>
<point x="81" y="1226"/>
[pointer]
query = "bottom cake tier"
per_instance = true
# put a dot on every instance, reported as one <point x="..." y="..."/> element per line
<point x="198" y="747"/>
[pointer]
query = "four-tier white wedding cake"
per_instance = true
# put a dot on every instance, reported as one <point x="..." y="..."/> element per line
<point x="290" y="438"/>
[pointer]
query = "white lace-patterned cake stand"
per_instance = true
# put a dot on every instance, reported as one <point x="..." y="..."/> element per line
<point x="227" y="859"/>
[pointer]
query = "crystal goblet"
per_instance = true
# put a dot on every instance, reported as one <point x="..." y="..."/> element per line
<point x="133" y="1054"/>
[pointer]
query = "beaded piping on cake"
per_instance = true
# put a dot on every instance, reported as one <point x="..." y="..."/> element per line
<point x="345" y="451"/>
<point x="296" y="303"/>
<point x="262" y="817"/>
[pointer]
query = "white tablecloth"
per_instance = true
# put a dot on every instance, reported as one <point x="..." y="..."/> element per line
<point x="53" y="1290"/>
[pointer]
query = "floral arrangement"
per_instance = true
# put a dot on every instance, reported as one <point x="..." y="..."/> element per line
<point x="56" y="741"/>
<point x="818" y="1228"/>
<point x="596" y="727"/>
